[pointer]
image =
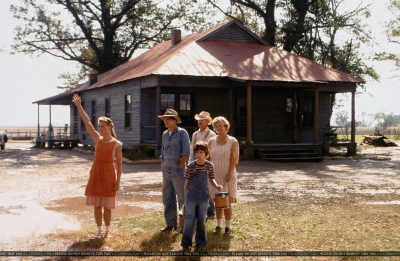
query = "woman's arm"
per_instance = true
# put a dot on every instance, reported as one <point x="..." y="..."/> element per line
<point x="85" y="118"/>
<point x="234" y="158"/>
<point x="118" y="155"/>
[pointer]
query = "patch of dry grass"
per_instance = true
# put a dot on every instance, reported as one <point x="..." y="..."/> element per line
<point x="281" y="224"/>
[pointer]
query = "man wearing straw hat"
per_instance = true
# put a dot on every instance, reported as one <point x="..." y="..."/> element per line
<point x="203" y="134"/>
<point x="175" y="152"/>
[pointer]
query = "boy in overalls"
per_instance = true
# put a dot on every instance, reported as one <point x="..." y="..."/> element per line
<point x="198" y="174"/>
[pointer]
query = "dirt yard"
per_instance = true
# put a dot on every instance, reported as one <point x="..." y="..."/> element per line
<point x="42" y="190"/>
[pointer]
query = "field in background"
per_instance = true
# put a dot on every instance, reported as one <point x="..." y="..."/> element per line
<point x="30" y="132"/>
<point x="33" y="129"/>
<point x="26" y="132"/>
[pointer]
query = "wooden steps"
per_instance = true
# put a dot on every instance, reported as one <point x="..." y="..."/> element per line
<point x="290" y="154"/>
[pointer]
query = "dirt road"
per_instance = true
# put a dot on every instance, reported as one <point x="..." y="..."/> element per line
<point x="42" y="190"/>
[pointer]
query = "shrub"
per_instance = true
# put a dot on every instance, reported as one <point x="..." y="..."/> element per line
<point x="139" y="151"/>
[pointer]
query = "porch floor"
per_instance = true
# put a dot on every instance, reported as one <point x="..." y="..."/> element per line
<point x="56" y="142"/>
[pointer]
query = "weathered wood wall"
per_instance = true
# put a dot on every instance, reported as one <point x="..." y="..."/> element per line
<point x="116" y="94"/>
<point x="271" y="122"/>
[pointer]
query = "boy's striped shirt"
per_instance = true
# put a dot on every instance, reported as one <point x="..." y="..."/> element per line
<point x="208" y="166"/>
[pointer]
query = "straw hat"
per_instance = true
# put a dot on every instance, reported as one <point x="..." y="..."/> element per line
<point x="171" y="113"/>
<point x="203" y="116"/>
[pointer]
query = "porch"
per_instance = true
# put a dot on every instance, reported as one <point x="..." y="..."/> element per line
<point x="283" y="151"/>
<point x="59" y="137"/>
<point x="306" y="151"/>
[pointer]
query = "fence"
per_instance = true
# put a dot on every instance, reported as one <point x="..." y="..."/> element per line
<point x="21" y="133"/>
<point x="30" y="133"/>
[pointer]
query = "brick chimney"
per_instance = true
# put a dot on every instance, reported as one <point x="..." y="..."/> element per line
<point x="92" y="78"/>
<point x="175" y="36"/>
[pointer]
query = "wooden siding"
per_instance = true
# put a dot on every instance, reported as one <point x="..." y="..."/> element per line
<point x="149" y="116"/>
<point x="270" y="119"/>
<point x="193" y="82"/>
<point x="208" y="99"/>
<point x="116" y="94"/>
<point x="307" y="134"/>
<point x="271" y="122"/>
<point x="232" y="33"/>
<point x="149" y="81"/>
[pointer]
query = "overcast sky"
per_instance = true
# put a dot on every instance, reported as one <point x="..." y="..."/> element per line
<point x="24" y="80"/>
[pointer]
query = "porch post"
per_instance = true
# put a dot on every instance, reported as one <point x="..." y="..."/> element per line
<point x="50" y="125"/>
<point x="230" y="97"/>
<point x="38" y="120"/>
<point x="295" y="127"/>
<point x="50" y="141"/>
<point x="158" y="122"/>
<point x="249" y="121"/>
<point x="316" y="107"/>
<point x="353" y="117"/>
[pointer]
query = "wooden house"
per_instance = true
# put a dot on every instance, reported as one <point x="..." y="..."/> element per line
<point x="274" y="100"/>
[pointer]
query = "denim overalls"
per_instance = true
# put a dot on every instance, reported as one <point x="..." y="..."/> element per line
<point x="196" y="204"/>
<point x="173" y="148"/>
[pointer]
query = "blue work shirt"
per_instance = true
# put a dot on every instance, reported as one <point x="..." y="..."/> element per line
<point x="176" y="145"/>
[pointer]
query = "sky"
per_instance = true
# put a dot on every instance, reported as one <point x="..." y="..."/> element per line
<point x="25" y="79"/>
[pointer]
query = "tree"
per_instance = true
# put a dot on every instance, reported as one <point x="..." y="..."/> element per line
<point x="265" y="9"/>
<point x="309" y="28"/>
<point x="383" y="121"/>
<point x="392" y="33"/>
<point x="100" y="34"/>
<point x="343" y="123"/>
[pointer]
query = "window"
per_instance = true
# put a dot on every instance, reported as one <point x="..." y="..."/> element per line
<point x="289" y="104"/>
<point x="167" y="101"/>
<point x="107" y="107"/>
<point x="93" y="118"/>
<point x="307" y="111"/>
<point x="185" y="104"/>
<point x="83" y="128"/>
<point x="127" y="111"/>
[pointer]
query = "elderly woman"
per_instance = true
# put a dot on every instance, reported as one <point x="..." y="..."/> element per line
<point x="224" y="154"/>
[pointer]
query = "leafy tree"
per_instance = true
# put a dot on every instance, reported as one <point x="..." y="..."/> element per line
<point x="100" y="34"/>
<point x="309" y="28"/>
<point x="343" y="123"/>
<point x="383" y="121"/>
<point x="396" y="119"/>
<point x="393" y="34"/>
<point x="248" y="11"/>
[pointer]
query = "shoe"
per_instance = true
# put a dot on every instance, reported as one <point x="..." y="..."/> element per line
<point x="185" y="249"/>
<point x="108" y="234"/>
<point x="218" y="230"/>
<point x="201" y="249"/>
<point x="99" y="235"/>
<point x="210" y="217"/>
<point x="167" y="229"/>
<point x="227" y="231"/>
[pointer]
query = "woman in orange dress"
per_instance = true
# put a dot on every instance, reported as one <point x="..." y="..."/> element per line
<point x="106" y="170"/>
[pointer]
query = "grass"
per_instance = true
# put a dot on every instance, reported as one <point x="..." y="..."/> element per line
<point x="277" y="224"/>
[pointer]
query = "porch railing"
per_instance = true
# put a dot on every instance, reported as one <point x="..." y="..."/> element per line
<point x="55" y="132"/>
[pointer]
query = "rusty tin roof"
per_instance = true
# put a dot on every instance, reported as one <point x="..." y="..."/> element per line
<point x="199" y="54"/>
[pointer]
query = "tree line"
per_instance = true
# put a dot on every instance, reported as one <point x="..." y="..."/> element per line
<point x="102" y="34"/>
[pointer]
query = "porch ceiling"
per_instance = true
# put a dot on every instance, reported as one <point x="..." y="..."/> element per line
<point x="60" y="99"/>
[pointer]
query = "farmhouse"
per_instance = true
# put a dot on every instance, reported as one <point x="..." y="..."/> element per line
<point x="275" y="101"/>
